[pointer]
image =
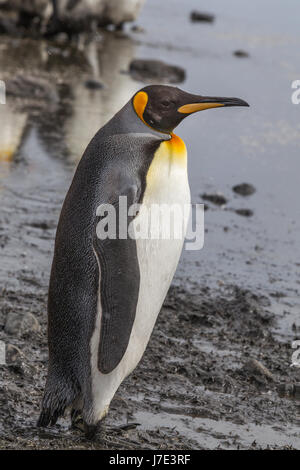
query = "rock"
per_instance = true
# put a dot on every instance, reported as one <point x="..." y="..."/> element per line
<point x="32" y="88"/>
<point x="137" y="29"/>
<point x="241" y="53"/>
<point x="289" y="391"/>
<point x="43" y="225"/>
<point x="244" y="189"/>
<point x="255" y="367"/>
<point x="92" y="84"/>
<point x="145" y="70"/>
<point x="13" y="323"/>
<point x="13" y="354"/>
<point x="217" y="198"/>
<point x="244" y="212"/>
<point x="8" y="26"/>
<point x="201" y="16"/>
<point x="18" y="324"/>
<point x="30" y="324"/>
<point x="61" y="38"/>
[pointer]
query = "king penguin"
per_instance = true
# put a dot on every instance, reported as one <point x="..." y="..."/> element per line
<point x="105" y="293"/>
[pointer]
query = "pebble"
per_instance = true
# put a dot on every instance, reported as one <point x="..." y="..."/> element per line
<point x="18" y="324"/>
<point x="244" y="189"/>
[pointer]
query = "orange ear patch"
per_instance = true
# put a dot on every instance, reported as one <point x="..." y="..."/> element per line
<point x="139" y="103"/>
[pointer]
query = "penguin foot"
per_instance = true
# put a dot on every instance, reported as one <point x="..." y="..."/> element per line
<point x="77" y="421"/>
<point x="92" y="431"/>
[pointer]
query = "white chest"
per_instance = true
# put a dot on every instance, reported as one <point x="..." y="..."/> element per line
<point x="167" y="185"/>
<point x="166" y="204"/>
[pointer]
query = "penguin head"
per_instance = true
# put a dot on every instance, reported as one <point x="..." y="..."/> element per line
<point x="163" y="107"/>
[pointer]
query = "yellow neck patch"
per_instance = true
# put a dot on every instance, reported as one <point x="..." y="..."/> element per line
<point x="169" y="159"/>
<point x="176" y="145"/>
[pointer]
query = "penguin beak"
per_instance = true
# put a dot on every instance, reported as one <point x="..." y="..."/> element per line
<point x="207" y="102"/>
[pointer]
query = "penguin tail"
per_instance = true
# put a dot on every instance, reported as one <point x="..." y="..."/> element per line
<point x="59" y="394"/>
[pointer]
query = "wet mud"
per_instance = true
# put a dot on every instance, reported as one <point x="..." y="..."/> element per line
<point x="217" y="372"/>
<point x="195" y="388"/>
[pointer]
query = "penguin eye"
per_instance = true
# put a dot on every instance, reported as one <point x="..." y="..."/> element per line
<point x="165" y="104"/>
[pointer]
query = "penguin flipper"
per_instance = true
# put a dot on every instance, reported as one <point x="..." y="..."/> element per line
<point x="119" y="287"/>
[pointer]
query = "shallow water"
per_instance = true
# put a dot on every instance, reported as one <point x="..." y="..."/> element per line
<point x="213" y="433"/>
<point x="258" y="145"/>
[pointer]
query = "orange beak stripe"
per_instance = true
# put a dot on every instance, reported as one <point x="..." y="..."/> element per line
<point x="194" y="107"/>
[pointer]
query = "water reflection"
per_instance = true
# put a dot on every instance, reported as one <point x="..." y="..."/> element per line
<point x="11" y="132"/>
<point x="92" y="108"/>
<point x="66" y="127"/>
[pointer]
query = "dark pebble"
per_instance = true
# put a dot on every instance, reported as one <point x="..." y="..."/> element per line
<point x="244" y="189"/>
<point x="217" y="199"/>
<point x="200" y="16"/>
<point x="145" y="70"/>
<point x="241" y="53"/>
<point x="289" y="391"/>
<point x="137" y="29"/>
<point x="244" y="212"/>
<point x="93" y="84"/>
<point x="31" y="87"/>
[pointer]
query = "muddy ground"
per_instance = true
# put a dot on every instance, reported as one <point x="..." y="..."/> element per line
<point x="233" y="303"/>
<point x="196" y="387"/>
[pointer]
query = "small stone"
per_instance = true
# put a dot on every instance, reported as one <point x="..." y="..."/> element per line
<point x="201" y="16"/>
<point x="92" y="84"/>
<point x="244" y="212"/>
<point x="289" y="390"/>
<point x="137" y="29"/>
<point x="13" y="354"/>
<point x="8" y="25"/>
<point x="244" y="189"/>
<point x="254" y="366"/>
<point x="241" y="53"/>
<point x="31" y="87"/>
<point x="61" y="38"/>
<point x="217" y="198"/>
<point x="145" y="70"/>
<point x="13" y="323"/>
<point x="30" y="324"/>
<point x="18" y="324"/>
<point x="40" y="224"/>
